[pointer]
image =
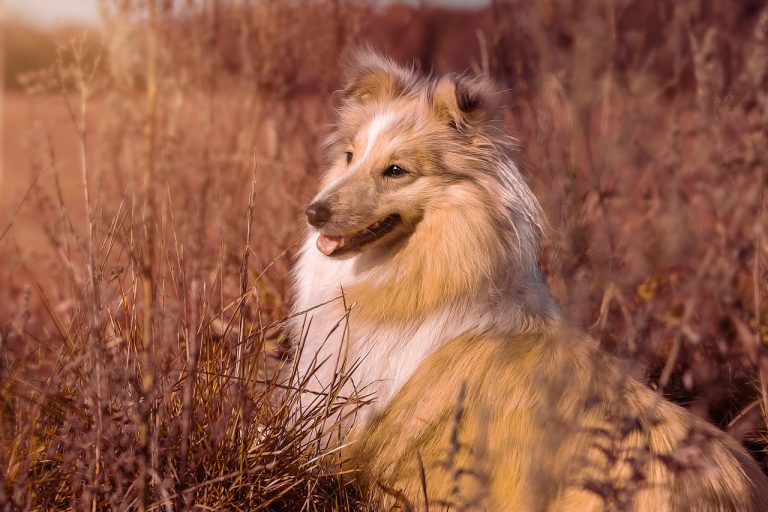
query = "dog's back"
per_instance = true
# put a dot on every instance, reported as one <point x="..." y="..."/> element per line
<point x="544" y="421"/>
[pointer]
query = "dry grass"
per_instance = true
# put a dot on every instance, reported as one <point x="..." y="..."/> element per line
<point x="137" y="344"/>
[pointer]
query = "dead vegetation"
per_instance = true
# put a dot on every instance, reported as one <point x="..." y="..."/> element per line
<point x="137" y="350"/>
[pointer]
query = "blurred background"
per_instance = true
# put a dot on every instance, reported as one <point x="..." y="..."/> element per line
<point x="156" y="156"/>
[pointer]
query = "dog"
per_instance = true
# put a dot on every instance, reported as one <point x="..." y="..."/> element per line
<point x="420" y="307"/>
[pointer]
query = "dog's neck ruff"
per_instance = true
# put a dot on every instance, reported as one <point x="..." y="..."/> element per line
<point x="384" y="318"/>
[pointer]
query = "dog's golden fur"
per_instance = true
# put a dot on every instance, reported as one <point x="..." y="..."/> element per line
<point x="483" y="396"/>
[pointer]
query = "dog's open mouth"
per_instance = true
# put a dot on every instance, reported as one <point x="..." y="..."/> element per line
<point x="329" y="245"/>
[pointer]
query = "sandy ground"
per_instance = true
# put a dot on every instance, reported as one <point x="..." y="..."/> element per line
<point x="28" y="123"/>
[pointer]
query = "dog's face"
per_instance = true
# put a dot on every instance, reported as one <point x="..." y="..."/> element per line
<point x="393" y="154"/>
<point x="385" y="162"/>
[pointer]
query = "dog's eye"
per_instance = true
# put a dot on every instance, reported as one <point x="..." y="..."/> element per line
<point x="394" y="171"/>
<point x="349" y="157"/>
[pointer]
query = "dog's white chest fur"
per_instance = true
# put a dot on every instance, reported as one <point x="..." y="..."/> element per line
<point x="384" y="355"/>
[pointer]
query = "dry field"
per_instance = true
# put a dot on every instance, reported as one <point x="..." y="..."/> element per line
<point x="149" y="214"/>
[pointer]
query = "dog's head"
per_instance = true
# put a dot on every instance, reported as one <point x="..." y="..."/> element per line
<point x="401" y="139"/>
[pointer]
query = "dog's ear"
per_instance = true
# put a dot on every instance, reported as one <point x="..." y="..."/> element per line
<point x="370" y="76"/>
<point x="466" y="103"/>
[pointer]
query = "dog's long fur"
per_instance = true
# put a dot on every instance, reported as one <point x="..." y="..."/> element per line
<point x="482" y="396"/>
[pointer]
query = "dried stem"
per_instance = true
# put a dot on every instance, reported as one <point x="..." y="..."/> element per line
<point x="148" y="254"/>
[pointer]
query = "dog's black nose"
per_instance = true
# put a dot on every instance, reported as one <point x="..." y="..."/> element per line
<point x="318" y="214"/>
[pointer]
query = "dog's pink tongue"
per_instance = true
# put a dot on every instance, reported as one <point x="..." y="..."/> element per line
<point x="327" y="244"/>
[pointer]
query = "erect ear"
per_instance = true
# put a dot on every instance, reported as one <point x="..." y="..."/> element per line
<point x="370" y="76"/>
<point x="466" y="103"/>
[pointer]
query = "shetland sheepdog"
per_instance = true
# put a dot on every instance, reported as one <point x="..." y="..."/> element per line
<point x="418" y="289"/>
